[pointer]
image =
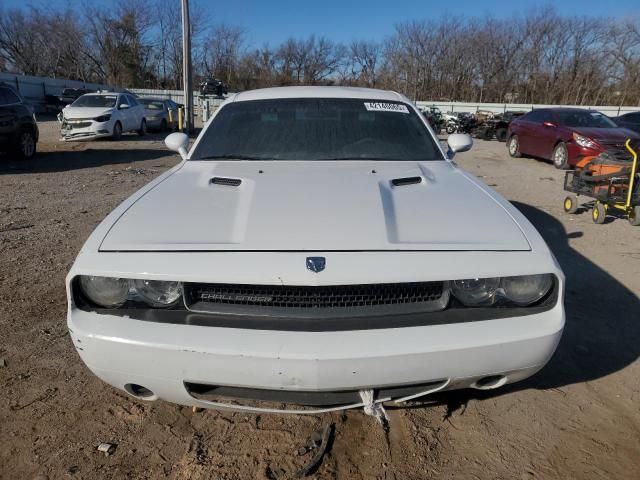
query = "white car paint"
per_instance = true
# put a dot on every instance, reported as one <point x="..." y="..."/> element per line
<point x="81" y="122"/>
<point x="181" y="228"/>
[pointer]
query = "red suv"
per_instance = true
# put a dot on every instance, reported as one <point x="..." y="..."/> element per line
<point x="565" y="135"/>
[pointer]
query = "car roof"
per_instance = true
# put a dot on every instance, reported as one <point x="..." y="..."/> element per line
<point x="319" y="92"/>
<point x="154" y="99"/>
<point x="567" y="109"/>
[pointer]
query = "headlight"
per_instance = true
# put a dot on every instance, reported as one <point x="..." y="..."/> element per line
<point x="107" y="292"/>
<point x="475" y="291"/>
<point x="103" y="118"/>
<point x="526" y="289"/>
<point x="584" y="141"/>
<point x="158" y="293"/>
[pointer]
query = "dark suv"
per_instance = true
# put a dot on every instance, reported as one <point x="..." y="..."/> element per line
<point x="18" y="128"/>
<point x="213" y="86"/>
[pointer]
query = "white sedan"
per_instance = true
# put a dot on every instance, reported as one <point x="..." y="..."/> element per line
<point x="98" y="115"/>
<point x="316" y="247"/>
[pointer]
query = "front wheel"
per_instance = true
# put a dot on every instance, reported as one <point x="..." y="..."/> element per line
<point x="26" y="147"/>
<point x="501" y="134"/>
<point x="142" y="131"/>
<point x="571" y="204"/>
<point x="451" y="129"/>
<point x="117" y="131"/>
<point x="514" y="147"/>
<point x="599" y="213"/>
<point x="634" y="216"/>
<point x="560" y="156"/>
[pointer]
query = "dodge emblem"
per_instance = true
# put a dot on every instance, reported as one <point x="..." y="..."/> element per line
<point x="316" y="264"/>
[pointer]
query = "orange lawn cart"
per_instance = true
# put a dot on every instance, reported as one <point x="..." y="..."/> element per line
<point x="611" y="179"/>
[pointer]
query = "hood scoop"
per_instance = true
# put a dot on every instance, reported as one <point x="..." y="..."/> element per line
<point x="401" y="182"/>
<point x="229" y="182"/>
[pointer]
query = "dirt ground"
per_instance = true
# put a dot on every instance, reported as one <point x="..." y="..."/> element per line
<point x="578" y="418"/>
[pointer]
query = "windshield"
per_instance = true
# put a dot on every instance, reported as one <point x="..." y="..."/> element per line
<point x="585" y="118"/>
<point x="104" y="101"/>
<point x="151" y="104"/>
<point x="317" y="129"/>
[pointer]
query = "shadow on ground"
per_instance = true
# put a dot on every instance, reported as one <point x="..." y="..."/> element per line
<point x="602" y="331"/>
<point x="86" y="157"/>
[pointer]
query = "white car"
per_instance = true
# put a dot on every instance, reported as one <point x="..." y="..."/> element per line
<point x="315" y="247"/>
<point x="97" y="115"/>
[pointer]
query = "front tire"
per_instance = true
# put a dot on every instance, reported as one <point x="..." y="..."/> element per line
<point x="634" y="216"/>
<point x="571" y="204"/>
<point x="117" y="131"/>
<point x="513" y="145"/>
<point x="26" y="146"/>
<point x="560" y="156"/>
<point x="599" y="213"/>
<point x="501" y="134"/>
<point x="142" y="131"/>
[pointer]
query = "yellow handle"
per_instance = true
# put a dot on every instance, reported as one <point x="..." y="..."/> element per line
<point x="180" y="116"/>
<point x="633" y="171"/>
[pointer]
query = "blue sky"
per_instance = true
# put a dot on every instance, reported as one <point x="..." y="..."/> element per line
<point x="275" y="20"/>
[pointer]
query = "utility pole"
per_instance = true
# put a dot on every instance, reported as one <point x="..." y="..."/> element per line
<point x="186" y="67"/>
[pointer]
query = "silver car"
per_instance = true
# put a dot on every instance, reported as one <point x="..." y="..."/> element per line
<point x="161" y="114"/>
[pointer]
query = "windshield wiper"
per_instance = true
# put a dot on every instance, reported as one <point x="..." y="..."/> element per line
<point x="233" y="157"/>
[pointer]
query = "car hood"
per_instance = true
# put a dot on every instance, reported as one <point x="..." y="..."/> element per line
<point x="315" y="206"/>
<point x="86" y="112"/>
<point x="607" y="135"/>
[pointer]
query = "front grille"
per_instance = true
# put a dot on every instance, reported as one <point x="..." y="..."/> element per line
<point x="72" y="125"/>
<point x="312" y="297"/>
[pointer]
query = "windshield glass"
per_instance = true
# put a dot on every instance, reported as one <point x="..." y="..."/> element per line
<point x="151" y="104"/>
<point x="104" y="101"/>
<point x="317" y="129"/>
<point x="585" y="118"/>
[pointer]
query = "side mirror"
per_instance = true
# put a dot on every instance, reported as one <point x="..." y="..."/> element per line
<point x="122" y="106"/>
<point x="459" y="142"/>
<point x="178" y="142"/>
<point x="549" y="124"/>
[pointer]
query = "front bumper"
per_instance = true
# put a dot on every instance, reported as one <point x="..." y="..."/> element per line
<point x="162" y="357"/>
<point x="577" y="152"/>
<point x="71" y="132"/>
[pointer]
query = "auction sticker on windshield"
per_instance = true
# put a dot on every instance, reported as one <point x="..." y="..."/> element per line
<point x="385" y="107"/>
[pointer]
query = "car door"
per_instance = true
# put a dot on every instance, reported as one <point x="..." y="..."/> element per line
<point x="8" y="115"/>
<point x="525" y="131"/>
<point x="124" y="114"/>
<point x="137" y="112"/>
<point x="546" y="134"/>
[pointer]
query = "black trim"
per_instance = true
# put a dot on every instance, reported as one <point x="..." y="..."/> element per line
<point x="216" y="393"/>
<point x="274" y="319"/>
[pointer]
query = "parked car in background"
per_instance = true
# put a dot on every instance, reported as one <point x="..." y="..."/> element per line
<point x="105" y="114"/>
<point x="160" y="113"/>
<point x="629" y="120"/>
<point x="391" y="275"/>
<point x="213" y="86"/>
<point x="18" y="127"/>
<point x="497" y="126"/>
<point x="565" y="135"/>
<point x="66" y="97"/>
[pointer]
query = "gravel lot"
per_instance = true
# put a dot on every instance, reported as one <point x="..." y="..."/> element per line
<point x="578" y="418"/>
